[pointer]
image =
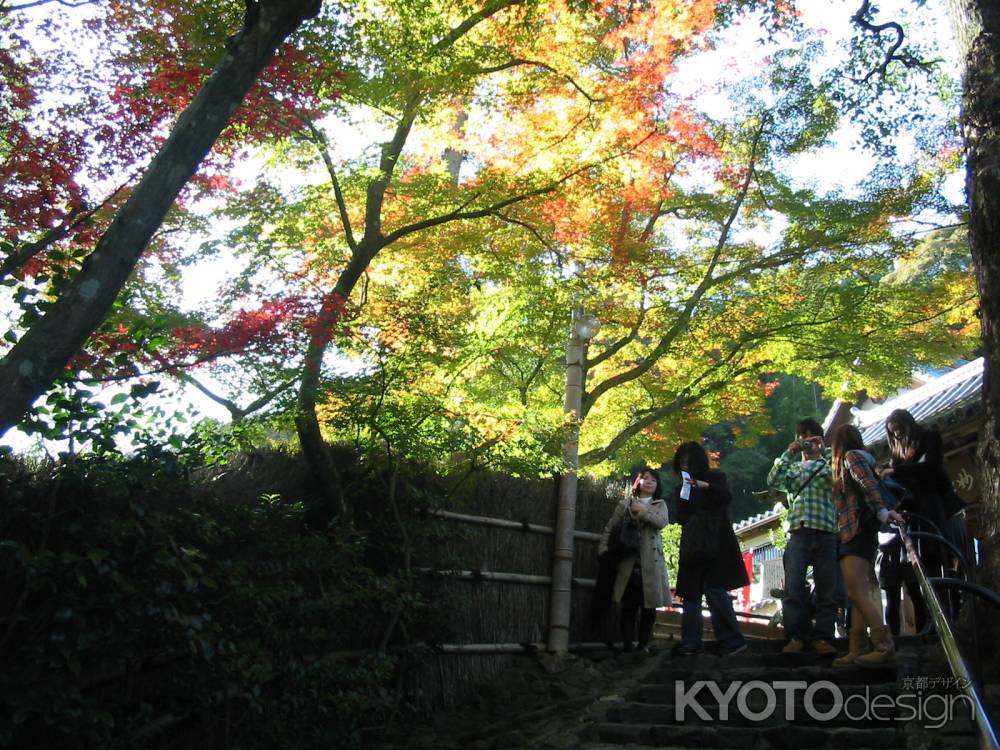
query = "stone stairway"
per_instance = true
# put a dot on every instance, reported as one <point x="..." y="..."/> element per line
<point x="792" y="702"/>
<point x="602" y="700"/>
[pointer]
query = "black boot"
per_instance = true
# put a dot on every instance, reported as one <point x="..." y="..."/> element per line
<point x="628" y="629"/>
<point x="646" y="622"/>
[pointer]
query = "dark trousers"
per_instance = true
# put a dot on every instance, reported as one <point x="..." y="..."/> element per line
<point x="632" y="602"/>
<point x="893" y="605"/>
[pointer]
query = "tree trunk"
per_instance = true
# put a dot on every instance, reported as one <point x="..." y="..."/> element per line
<point x="35" y="362"/>
<point x="977" y="29"/>
<point x="314" y="447"/>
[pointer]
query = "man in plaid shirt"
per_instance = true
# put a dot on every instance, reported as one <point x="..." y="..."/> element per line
<point x="803" y="472"/>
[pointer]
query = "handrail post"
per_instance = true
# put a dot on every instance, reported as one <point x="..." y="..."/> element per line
<point x="987" y="735"/>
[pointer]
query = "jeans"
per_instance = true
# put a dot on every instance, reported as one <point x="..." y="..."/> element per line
<point x="720" y="606"/>
<point x="819" y="549"/>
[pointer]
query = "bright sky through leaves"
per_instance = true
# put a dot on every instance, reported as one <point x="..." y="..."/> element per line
<point x="519" y="126"/>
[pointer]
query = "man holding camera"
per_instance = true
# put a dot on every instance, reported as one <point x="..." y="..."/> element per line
<point x="804" y="473"/>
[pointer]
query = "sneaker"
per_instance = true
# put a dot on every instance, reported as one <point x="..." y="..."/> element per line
<point x="736" y="650"/>
<point x="823" y="648"/>
<point x="794" y="646"/>
<point x="682" y="650"/>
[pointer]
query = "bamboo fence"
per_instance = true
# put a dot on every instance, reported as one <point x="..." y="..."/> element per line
<point x="501" y="588"/>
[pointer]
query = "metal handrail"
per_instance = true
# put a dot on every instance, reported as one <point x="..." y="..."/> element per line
<point x="973" y="588"/>
<point x="950" y="545"/>
<point x="959" y="669"/>
<point x="924" y="520"/>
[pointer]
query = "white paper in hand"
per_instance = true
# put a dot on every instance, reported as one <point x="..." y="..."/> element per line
<point x="685" y="486"/>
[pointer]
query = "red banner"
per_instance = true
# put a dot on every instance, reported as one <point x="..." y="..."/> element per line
<point x="743" y="598"/>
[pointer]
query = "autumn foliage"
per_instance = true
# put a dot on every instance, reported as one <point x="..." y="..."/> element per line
<point x="424" y="191"/>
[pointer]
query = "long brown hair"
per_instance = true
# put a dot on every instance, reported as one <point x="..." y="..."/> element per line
<point x="847" y="437"/>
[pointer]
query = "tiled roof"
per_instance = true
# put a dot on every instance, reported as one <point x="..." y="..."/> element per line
<point x="953" y="397"/>
<point x="758" y="520"/>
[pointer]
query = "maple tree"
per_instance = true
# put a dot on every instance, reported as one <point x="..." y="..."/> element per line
<point x="523" y="154"/>
<point x="693" y="308"/>
<point x="444" y="92"/>
<point x="38" y="357"/>
<point x="447" y="53"/>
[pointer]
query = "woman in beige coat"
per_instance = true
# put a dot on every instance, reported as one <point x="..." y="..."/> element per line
<point x="631" y="538"/>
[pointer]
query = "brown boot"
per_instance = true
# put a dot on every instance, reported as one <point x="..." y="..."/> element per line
<point x="857" y="645"/>
<point x="794" y="646"/>
<point x="883" y="653"/>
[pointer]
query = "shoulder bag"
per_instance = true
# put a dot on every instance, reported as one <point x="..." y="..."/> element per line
<point x="699" y="540"/>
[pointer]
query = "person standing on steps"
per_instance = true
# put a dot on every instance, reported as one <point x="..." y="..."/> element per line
<point x="860" y="513"/>
<point x="803" y="474"/>
<point x="918" y="464"/>
<point x="703" y="499"/>
<point x="633" y="534"/>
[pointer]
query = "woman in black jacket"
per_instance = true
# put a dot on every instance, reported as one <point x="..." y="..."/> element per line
<point x="918" y="463"/>
<point x="705" y="493"/>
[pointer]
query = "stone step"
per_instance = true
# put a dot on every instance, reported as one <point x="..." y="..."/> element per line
<point x="665" y="694"/>
<point x="756" y="713"/>
<point x="775" y="645"/>
<point x="732" y="668"/>
<point x="783" y="736"/>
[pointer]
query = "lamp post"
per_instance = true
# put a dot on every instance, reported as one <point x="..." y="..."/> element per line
<point x="583" y="327"/>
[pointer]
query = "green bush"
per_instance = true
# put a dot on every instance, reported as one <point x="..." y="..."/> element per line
<point x="138" y="611"/>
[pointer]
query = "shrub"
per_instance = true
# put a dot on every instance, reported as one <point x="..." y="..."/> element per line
<point x="140" y="611"/>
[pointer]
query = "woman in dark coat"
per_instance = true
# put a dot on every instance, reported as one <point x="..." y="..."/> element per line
<point x="707" y="493"/>
<point x="918" y="464"/>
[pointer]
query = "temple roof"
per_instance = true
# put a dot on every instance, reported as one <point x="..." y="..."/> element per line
<point x="947" y="400"/>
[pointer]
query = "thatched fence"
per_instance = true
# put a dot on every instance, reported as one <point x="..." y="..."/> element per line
<point x="505" y="541"/>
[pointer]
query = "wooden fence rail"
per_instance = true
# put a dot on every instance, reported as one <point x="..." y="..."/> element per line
<point x="487" y="575"/>
<point x="503" y="523"/>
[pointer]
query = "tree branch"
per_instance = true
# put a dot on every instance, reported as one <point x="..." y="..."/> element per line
<point x="319" y="138"/>
<point x="654" y="415"/>
<point x="73" y="219"/>
<point x="534" y="231"/>
<point x="517" y="62"/>
<point x="647" y="231"/>
<point x="458" y="214"/>
<point x="684" y="317"/>
<point x="620" y="343"/>
<point x="472" y="21"/>
<point x="237" y="412"/>
<point x="37" y="3"/>
<point x="906" y="60"/>
<point x="391" y="152"/>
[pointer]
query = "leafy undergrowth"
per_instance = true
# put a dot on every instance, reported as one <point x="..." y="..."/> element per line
<point x="140" y="610"/>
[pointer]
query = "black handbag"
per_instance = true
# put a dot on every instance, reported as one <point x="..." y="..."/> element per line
<point x="628" y="534"/>
<point x="699" y="540"/>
